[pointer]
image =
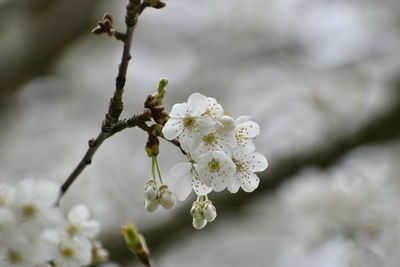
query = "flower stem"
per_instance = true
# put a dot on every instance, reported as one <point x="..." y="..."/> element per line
<point x="158" y="170"/>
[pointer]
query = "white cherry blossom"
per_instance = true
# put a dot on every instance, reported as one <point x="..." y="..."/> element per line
<point x="73" y="252"/>
<point x="188" y="180"/>
<point x="34" y="202"/>
<point x="189" y="122"/>
<point x="247" y="163"/>
<point x="215" y="168"/>
<point x="79" y="223"/>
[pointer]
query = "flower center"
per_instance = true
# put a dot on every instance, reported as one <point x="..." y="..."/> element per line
<point x="73" y="228"/>
<point x="14" y="256"/>
<point x="29" y="210"/>
<point x="209" y="139"/>
<point x="189" y="122"/>
<point x="239" y="165"/>
<point x="214" y="165"/>
<point x="68" y="252"/>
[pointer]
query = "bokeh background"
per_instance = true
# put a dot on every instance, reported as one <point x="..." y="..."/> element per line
<point x="321" y="77"/>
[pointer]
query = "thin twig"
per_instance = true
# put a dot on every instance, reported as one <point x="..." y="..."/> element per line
<point x="133" y="9"/>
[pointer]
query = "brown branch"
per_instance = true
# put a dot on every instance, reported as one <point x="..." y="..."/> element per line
<point x="133" y="9"/>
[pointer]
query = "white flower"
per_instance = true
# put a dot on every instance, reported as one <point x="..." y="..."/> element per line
<point x="74" y="252"/>
<point x="151" y="190"/>
<point x="247" y="162"/>
<point x="215" y="168"/>
<point x="246" y="131"/>
<point x="34" y="202"/>
<point x="167" y="198"/>
<point x="222" y="138"/>
<point x="188" y="122"/>
<point x="79" y="223"/>
<point x="20" y="251"/>
<point x="188" y="179"/>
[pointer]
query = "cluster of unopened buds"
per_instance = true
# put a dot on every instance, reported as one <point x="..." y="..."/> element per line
<point x="154" y="197"/>
<point x="220" y="153"/>
<point x="35" y="233"/>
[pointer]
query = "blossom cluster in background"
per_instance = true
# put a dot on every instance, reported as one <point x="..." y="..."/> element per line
<point x="34" y="231"/>
<point x="220" y="151"/>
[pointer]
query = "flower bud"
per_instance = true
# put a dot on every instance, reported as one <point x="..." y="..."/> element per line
<point x="167" y="198"/>
<point x="150" y="190"/>
<point x="196" y="211"/>
<point x="151" y="205"/>
<point x="209" y="211"/>
<point x="199" y="223"/>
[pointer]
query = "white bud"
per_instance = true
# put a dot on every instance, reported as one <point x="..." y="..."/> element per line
<point x="196" y="211"/>
<point x="151" y="205"/>
<point x="150" y="190"/>
<point x="167" y="198"/>
<point x="199" y="223"/>
<point x="209" y="211"/>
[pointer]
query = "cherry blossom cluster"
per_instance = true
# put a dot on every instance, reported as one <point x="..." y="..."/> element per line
<point x="34" y="232"/>
<point x="220" y="152"/>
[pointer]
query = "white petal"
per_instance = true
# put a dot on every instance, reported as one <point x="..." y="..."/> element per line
<point x="243" y="153"/>
<point x="258" y="162"/>
<point x="205" y="124"/>
<point x="214" y="109"/>
<point x="181" y="169"/>
<point x="184" y="188"/>
<point x="243" y="118"/>
<point x="248" y="129"/>
<point x="233" y="184"/>
<point x="90" y="228"/>
<point x="178" y="111"/>
<point x="189" y="140"/>
<point x="173" y="128"/>
<point x="199" y="187"/>
<point x="249" y="182"/>
<point x="197" y="104"/>
<point x="78" y="214"/>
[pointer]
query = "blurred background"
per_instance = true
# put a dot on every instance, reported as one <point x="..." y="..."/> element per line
<point x="321" y="77"/>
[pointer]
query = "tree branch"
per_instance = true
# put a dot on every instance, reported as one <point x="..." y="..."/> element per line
<point x="133" y="10"/>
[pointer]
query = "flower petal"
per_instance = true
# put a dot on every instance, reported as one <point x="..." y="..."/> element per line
<point x="197" y="104"/>
<point x="172" y="128"/>
<point x="215" y="110"/>
<point x="233" y="184"/>
<point x="179" y="111"/>
<point x="78" y="214"/>
<point x="205" y="124"/>
<point x="249" y="182"/>
<point x="258" y="162"/>
<point x="181" y="169"/>
<point x="189" y="140"/>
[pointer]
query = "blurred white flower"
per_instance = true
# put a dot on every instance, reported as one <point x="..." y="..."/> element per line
<point x="79" y="223"/>
<point x="73" y="252"/>
<point x="34" y="202"/>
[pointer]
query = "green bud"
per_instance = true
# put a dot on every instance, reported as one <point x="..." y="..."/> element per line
<point x="161" y="87"/>
<point x="136" y="243"/>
